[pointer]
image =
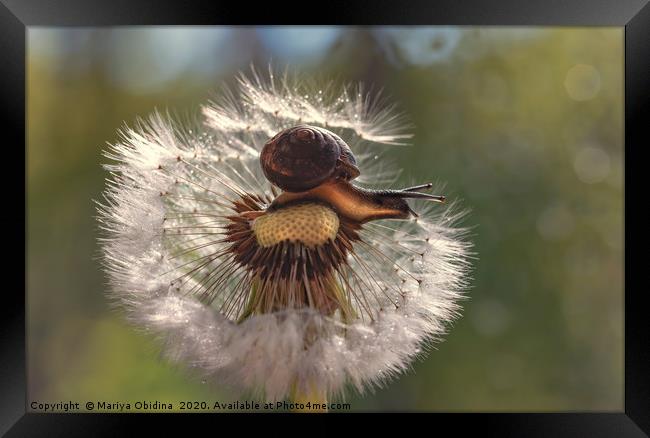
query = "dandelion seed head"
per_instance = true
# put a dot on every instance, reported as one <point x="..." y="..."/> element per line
<point x="274" y="301"/>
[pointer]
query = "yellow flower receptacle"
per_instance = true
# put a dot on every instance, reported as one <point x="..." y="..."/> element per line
<point x="310" y="224"/>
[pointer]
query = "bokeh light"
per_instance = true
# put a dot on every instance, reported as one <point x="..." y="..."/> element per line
<point x="303" y="44"/>
<point x="419" y="45"/>
<point x="556" y="222"/>
<point x="148" y="59"/>
<point x="582" y="82"/>
<point x="592" y="164"/>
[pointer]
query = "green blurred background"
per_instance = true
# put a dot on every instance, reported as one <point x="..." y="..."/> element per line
<point x="525" y="126"/>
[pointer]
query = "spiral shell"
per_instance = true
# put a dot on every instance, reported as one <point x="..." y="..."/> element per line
<point x="303" y="157"/>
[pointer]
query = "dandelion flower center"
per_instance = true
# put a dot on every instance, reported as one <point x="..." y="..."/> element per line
<point x="310" y="224"/>
<point x="294" y="257"/>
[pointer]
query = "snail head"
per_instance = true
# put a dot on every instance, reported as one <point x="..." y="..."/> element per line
<point x="392" y="204"/>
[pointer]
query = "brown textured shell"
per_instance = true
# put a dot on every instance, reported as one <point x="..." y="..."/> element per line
<point x="303" y="157"/>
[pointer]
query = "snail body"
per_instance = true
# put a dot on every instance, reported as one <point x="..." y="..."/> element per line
<point x="357" y="203"/>
<point x="311" y="163"/>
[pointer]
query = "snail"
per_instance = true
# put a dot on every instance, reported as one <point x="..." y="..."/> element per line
<point x="312" y="163"/>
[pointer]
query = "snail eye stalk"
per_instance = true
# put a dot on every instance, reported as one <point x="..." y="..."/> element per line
<point x="417" y="195"/>
<point x="420" y="187"/>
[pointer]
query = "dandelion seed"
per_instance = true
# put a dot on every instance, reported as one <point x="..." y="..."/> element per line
<point x="266" y="265"/>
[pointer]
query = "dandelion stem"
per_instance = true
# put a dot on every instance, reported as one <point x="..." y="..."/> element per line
<point x="309" y="399"/>
<point x="250" y="306"/>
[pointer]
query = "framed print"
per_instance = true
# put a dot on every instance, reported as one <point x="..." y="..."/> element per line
<point x="424" y="209"/>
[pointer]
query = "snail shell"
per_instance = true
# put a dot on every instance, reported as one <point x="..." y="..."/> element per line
<point x="303" y="157"/>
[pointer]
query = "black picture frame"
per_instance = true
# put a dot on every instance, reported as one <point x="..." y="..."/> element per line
<point x="633" y="15"/>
